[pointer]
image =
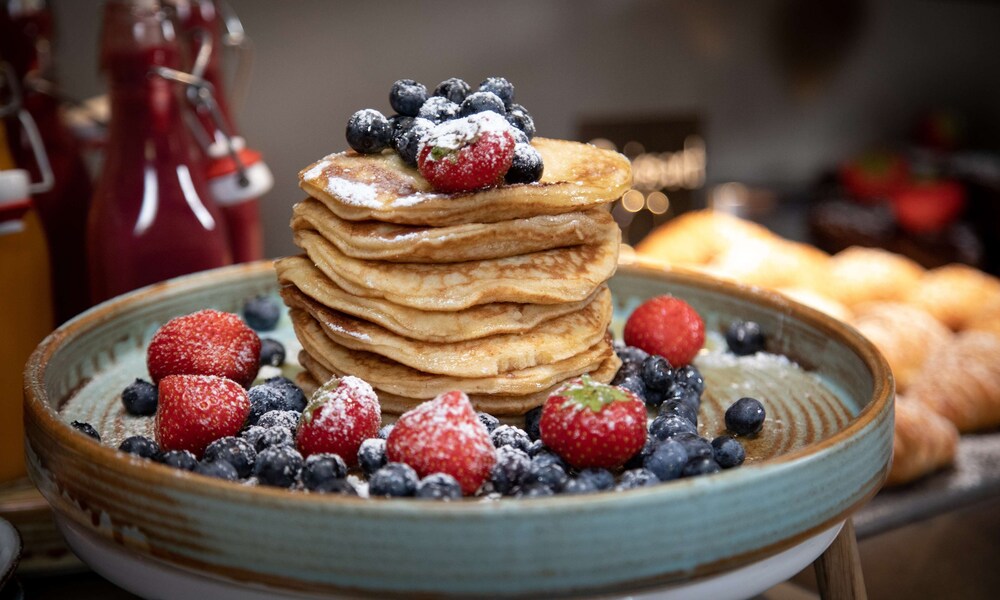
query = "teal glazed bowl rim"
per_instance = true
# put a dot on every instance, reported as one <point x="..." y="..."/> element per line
<point x="558" y="525"/>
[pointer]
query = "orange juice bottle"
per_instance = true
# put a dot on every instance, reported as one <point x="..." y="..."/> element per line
<point x="25" y="309"/>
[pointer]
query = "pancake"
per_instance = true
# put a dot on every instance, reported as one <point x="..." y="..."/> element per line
<point x="546" y="277"/>
<point x="551" y="341"/>
<point x="374" y="240"/>
<point x="498" y="405"/>
<point x="396" y="378"/>
<point x="468" y="324"/>
<point x="382" y="187"/>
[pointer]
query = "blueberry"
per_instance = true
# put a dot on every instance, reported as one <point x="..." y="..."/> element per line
<point x="601" y="479"/>
<point x="545" y="456"/>
<point x="632" y="354"/>
<point x="531" y="420"/>
<point x="140" y="398"/>
<point x="695" y="446"/>
<point x="668" y="426"/>
<point x="394" y="479"/>
<point x="683" y="394"/>
<point x="407" y="96"/>
<point x="535" y="490"/>
<point x="577" y="486"/>
<point x="634" y="384"/>
<point x="438" y="110"/>
<point x="268" y="437"/>
<point x="550" y="474"/>
<point x="667" y="460"/>
<point x="407" y="141"/>
<point x="368" y="131"/>
<point x="292" y="397"/>
<point x="629" y="368"/>
<point x="385" y="430"/>
<point x="235" y="451"/>
<point x="263" y="399"/>
<point x="526" y="167"/>
<point x="438" y="486"/>
<point x="681" y="409"/>
<point x="519" y="136"/>
<point x="509" y="470"/>
<point x="453" y="89"/>
<point x="320" y="468"/>
<point x="278" y="466"/>
<point x="690" y="376"/>
<point x="272" y="352"/>
<point x="280" y="418"/>
<point x="481" y="102"/>
<point x="488" y="420"/>
<point x="636" y="478"/>
<point x="729" y="451"/>
<point x="703" y="465"/>
<point x="219" y="469"/>
<point x="508" y="435"/>
<point x="519" y="117"/>
<point x="639" y="458"/>
<point x="371" y="455"/>
<point x="657" y="373"/>
<point x="140" y="446"/>
<point x="537" y="447"/>
<point x="499" y="86"/>
<point x="399" y="124"/>
<point x="261" y="313"/>
<point x="745" y="416"/>
<point x="178" y="459"/>
<point x="744" y="338"/>
<point x="336" y="486"/>
<point x="86" y="429"/>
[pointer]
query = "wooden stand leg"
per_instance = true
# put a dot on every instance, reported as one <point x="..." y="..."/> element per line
<point x="838" y="570"/>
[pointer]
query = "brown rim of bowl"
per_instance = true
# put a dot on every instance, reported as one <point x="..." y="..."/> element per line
<point x="155" y="473"/>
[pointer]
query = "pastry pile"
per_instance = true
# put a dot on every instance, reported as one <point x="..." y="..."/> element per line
<point x="499" y="292"/>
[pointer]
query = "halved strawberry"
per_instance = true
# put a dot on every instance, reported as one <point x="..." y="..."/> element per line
<point x="444" y="435"/>
<point x="208" y="342"/>
<point x="592" y="424"/>
<point x="340" y="415"/>
<point x="467" y="154"/>
<point x="667" y="326"/>
<point x="196" y="410"/>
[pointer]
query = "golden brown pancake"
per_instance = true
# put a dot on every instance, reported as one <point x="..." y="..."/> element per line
<point x="374" y="240"/>
<point x="383" y="188"/>
<point x="546" y="277"/>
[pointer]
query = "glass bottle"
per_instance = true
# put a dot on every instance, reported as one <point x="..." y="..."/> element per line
<point x="151" y="217"/>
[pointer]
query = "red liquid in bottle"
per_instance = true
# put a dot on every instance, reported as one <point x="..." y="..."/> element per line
<point x="151" y="217"/>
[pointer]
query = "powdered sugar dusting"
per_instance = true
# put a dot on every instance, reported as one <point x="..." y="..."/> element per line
<point x="455" y="134"/>
<point x="352" y="192"/>
<point x="414" y="199"/>
<point x="316" y="170"/>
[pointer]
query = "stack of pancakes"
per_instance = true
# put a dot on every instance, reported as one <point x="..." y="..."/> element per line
<point x="499" y="292"/>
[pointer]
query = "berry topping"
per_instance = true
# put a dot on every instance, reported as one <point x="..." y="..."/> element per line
<point x="509" y="470"/>
<point x="729" y="451"/>
<point x="140" y="398"/>
<point x="278" y="466"/>
<point x="219" y="469"/>
<point x="280" y="418"/>
<point x="371" y="455"/>
<point x="508" y="435"/>
<point x="467" y="154"/>
<point x="480" y="102"/>
<point x="207" y="342"/>
<point x="368" y="131"/>
<point x="438" y="110"/>
<point x="667" y="326"/>
<point x="394" y="480"/>
<point x="667" y="460"/>
<point x="235" y="451"/>
<point x="407" y="96"/>
<point x="407" y="140"/>
<point x="444" y="435"/>
<point x="489" y="421"/>
<point x="262" y="313"/>
<point x="499" y="86"/>
<point x="272" y="352"/>
<point x="526" y="166"/>
<point x="341" y="414"/>
<point x="319" y="469"/>
<point x="453" y="89"/>
<point x="86" y="429"/>
<point x="593" y="425"/>
<point x="518" y="116"/>
<point x="196" y="410"/>
<point x="178" y="459"/>
<point x="140" y="446"/>
<point x="744" y="338"/>
<point x="745" y="416"/>
<point x="438" y="486"/>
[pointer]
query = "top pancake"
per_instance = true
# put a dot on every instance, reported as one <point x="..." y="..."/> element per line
<point x="382" y="187"/>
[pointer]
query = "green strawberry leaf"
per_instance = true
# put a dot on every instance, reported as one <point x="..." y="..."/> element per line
<point x="593" y="395"/>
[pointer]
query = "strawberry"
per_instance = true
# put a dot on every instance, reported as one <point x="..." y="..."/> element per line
<point x="340" y="415"/>
<point x="928" y="206"/>
<point x="591" y="424"/>
<point x="667" y="326"/>
<point x="196" y="410"/>
<point x="207" y="342"/>
<point x="467" y="154"/>
<point x="444" y="435"/>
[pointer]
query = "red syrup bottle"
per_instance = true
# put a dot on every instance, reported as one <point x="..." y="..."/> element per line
<point x="152" y="217"/>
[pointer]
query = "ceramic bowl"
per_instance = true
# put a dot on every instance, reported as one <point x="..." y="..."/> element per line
<point x="816" y="470"/>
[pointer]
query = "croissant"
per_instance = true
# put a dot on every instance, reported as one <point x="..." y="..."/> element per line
<point x="903" y="334"/>
<point x="923" y="442"/>
<point x="954" y="293"/>
<point x="822" y="303"/>
<point x="857" y="275"/>
<point x="961" y="381"/>
<point x="987" y="318"/>
<point x="771" y="262"/>
<point x="695" y="238"/>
